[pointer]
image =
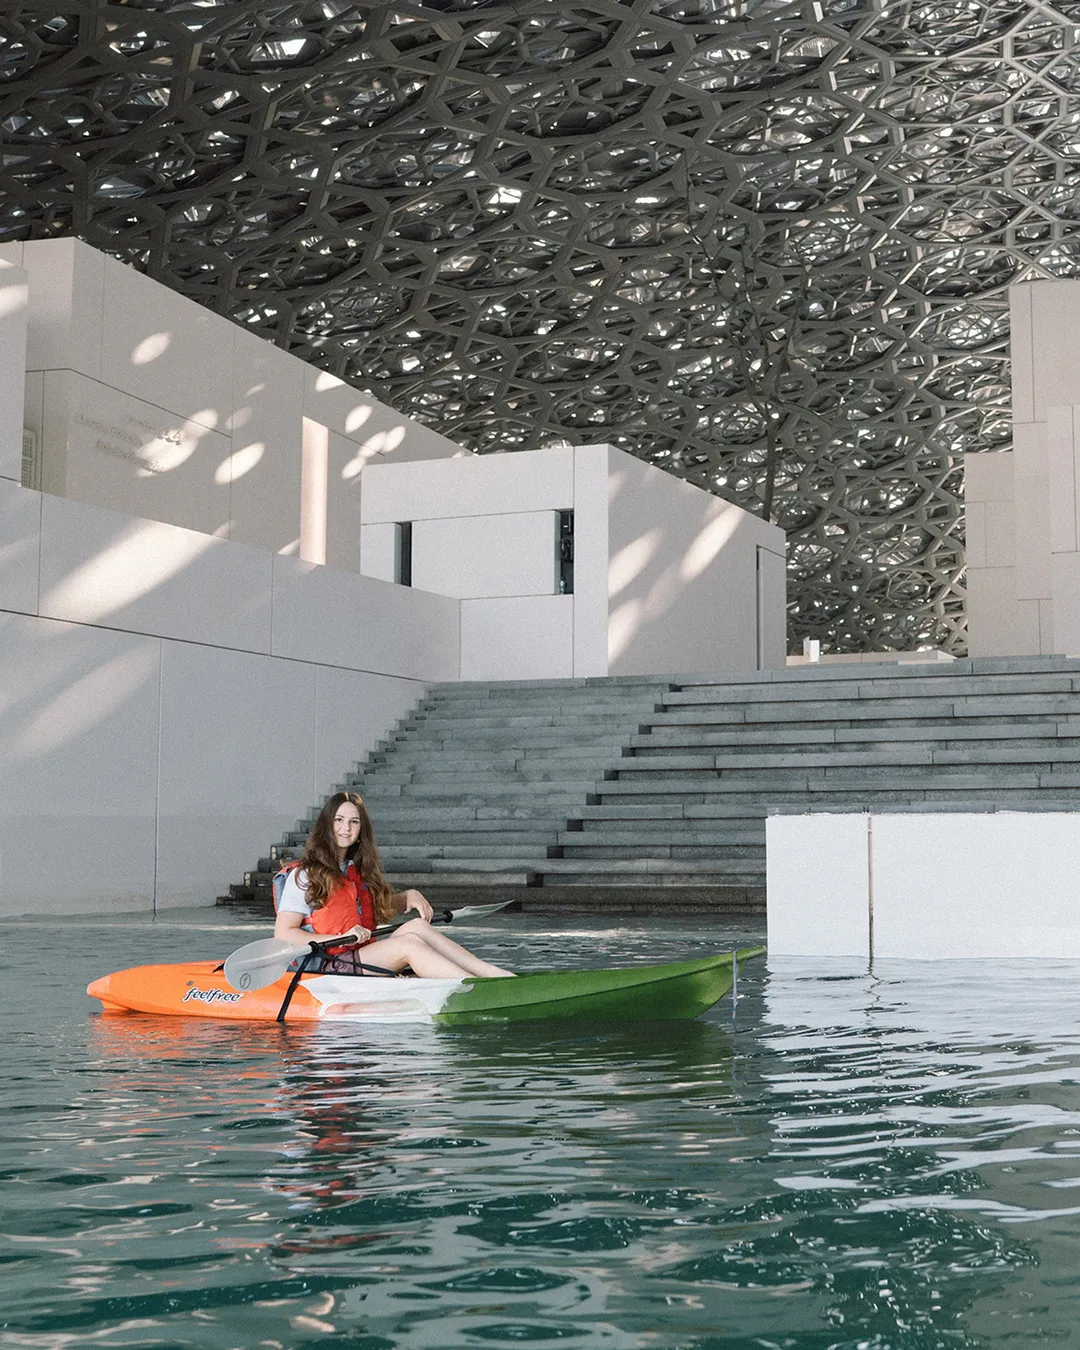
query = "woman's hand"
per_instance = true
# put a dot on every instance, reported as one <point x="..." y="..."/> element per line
<point x="414" y="900"/>
<point x="359" y="932"/>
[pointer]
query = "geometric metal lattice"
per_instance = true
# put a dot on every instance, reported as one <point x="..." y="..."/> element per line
<point x="764" y="245"/>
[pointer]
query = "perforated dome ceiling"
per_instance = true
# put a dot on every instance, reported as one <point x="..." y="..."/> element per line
<point x="763" y="245"/>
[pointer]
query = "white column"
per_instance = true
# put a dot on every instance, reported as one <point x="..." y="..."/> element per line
<point x="13" y="308"/>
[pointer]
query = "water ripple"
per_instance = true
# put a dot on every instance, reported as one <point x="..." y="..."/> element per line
<point x="858" y="1161"/>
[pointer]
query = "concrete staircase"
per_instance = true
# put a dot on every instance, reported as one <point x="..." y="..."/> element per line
<point x="472" y="789"/>
<point x="653" y="793"/>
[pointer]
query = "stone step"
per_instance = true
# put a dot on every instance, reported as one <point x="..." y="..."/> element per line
<point x="815" y="757"/>
<point x="485" y="866"/>
<point x="601" y="875"/>
<point x="742" y="814"/>
<point x="937" y="686"/>
<point x="594" y="718"/>
<point x="396" y="815"/>
<point x="902" y="757"/>
<point x="544" y="793"/>
<point x="944" y="735"/>
<point x="514" y="688"/>
<point x="477" y="774"/>
<point x="452" y="757"/>
<point x="563" y="713"/>
<point x="741" y="857"/>
<point x="762" y="803"/>
<point x="670" y="833"/>
<point x="471" y="794"/>
<point x="407" y="853"/>
<point x="524" y="739"/>
<point x="536" y="840"/>
<point x="831" y="673"/>
<point x="819" y="780"/>
<point x="668" y="810"/>
<point x="401" y="881"/>
<point x="654" y="865"/>
<point x="870" y="709"/>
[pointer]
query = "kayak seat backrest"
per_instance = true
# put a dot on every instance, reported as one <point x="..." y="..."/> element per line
<point x="277" y="885"/>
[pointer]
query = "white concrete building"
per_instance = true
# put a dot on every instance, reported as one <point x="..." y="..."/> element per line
<point x="199" y="627"/>
<point x="1023" y="509"/>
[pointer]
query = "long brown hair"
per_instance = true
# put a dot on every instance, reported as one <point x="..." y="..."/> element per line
<point x="320" y="860"/>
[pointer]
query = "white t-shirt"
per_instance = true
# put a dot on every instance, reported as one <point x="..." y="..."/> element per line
<point x="294" y="895"/>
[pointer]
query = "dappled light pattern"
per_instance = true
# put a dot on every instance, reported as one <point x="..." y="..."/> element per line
<point x="764" y="245"/>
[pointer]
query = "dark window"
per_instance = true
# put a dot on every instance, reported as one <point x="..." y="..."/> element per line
<point x="565" y="546"/>
<point x="403" y="558"/>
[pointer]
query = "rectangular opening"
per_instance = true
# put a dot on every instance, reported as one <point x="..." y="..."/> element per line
<point x="403" y="553"/>
<point x="31" y="462"/>
<point x="565" y="552"/>
<point x="314" y="483"/>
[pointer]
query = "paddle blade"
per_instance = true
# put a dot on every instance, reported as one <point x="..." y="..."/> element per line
<point x="260" y="963"/>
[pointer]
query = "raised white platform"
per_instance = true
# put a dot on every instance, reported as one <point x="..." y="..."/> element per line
<point x="926" y="885"/>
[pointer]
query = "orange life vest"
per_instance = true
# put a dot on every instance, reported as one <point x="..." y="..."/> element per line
<point x="348" y="904"/>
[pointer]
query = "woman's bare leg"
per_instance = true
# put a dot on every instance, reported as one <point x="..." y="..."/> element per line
<point x="431" y="954"/>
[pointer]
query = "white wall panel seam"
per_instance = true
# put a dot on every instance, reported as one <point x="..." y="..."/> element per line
<point x="157" y="774"/>
<point x="40" y="546"/>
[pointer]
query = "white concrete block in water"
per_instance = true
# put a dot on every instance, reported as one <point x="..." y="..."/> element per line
<point x="817" y="885"/>
<point x="1002" y="883"/>
<point x="927" y="885"/>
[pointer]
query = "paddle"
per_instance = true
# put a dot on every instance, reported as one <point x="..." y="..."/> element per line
<point x="258" y="964"/>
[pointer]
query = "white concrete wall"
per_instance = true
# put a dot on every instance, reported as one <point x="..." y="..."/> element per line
<point x="171" y="702"/>
<point x="592" y="561"/>
<point x="683" y="580"/>
<point x="666" y="577"/>
<point x="522" y="638"/>
<point x="147" y="403"/>
<point x="483" y="530"/>
<point x="13" y="322"/>
<point x="929" y="885"/>
<point x="1022" y="507"/>
<point x="485" y="556"/>
<point x="999" y="623"/>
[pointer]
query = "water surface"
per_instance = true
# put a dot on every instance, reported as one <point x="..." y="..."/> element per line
<point x="884" y="1160"/>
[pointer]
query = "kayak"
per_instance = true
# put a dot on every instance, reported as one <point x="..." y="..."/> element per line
<point x="675" y="991"/>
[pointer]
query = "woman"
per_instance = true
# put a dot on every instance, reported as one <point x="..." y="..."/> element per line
<point x="337" y="890"/>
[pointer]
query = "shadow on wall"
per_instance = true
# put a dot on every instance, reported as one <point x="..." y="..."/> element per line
<point x="80" y="709"/>
<point x="230" y="454"/>
<point x="682" y="576"/>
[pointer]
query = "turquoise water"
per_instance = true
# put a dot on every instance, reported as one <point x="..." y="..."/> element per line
<point x="885" y="1161"/>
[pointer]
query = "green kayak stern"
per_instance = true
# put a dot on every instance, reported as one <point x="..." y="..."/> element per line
<point x="676" y="991"/>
